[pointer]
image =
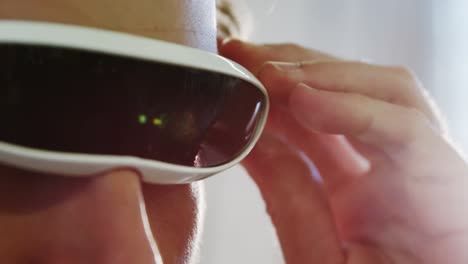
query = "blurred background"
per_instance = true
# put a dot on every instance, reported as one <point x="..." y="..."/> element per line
<point x="429" y="36"/>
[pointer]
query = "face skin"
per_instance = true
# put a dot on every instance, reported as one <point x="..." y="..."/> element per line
<point x="113" y="217"/>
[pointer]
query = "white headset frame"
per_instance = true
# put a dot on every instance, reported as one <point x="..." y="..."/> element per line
<point x="109" y="42"/>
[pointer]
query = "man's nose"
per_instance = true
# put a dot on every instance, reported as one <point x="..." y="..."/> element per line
<point x="63" y="220"/>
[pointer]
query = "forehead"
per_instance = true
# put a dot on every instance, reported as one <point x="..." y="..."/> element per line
<point x="185" y="22"/>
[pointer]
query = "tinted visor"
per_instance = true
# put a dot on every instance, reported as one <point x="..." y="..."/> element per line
<point x="75" y="101"/>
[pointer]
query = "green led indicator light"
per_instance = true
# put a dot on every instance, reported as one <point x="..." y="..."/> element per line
<point x="142" y="119"/>
<point x="158" y="122"/>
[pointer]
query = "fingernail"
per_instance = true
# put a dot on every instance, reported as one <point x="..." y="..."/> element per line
<point x="230" y="39"/>
<point x="287" y="66"/>
<point x="306" y="87"/>
<point x="226" y="40"/>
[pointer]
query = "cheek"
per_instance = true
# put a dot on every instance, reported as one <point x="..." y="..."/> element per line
<point x="176" y="218"/>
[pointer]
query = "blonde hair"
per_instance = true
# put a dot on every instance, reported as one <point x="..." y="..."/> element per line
<point x="234" y="19"/>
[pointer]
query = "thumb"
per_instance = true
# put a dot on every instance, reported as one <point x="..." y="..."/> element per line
<point x="295" y="203"/>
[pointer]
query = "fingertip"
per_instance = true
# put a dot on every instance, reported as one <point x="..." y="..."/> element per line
<point x="276" y="80"/>
<point x="229" y="40"/>
<point x="228" y="45"/>
<point x="246" y="54"/>
<point x="267" y="73"/>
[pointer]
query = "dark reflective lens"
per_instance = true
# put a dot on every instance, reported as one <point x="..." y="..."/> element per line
<point x="84" y="102"/>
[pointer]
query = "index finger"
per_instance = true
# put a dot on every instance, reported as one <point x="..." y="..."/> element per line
<point x="253" y="56"/>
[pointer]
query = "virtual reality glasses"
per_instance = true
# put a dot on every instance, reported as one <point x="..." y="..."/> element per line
<point x="80" y="101"/>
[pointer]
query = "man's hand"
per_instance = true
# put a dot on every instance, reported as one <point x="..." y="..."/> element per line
<point x="392" y="190"/>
